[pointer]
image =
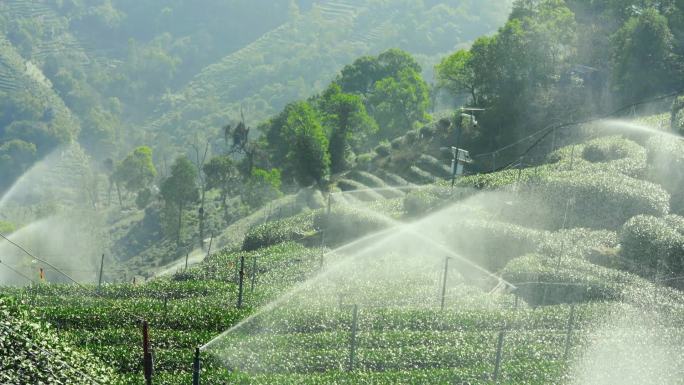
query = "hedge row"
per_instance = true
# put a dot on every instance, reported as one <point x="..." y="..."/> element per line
<point x="656" y="245"/>
<point x="666" y="167"/>
<point x="272" y="233"/>
<point x="606" y="154"/>
<point x="31" y="353"/>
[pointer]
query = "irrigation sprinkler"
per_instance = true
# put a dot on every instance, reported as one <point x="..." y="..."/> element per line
<point x="99" y="280"/>
<point x="568" y="334"/>
<point x="148" y="360"/>
<point x="196" y="367"/>
<point x="444" y="280"/>
<point x="352" y="339"/>
<point x="499" y="354"/>
<point x="241" y="281"/>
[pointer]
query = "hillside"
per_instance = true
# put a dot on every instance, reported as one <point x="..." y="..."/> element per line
<point x="541" y="265"/>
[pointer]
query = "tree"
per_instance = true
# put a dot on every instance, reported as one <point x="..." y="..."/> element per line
<point x="361" y="76"/>
<point x="397" y="103"/>
<point x="16" y="156"/>
<point x="261" y="187"/>
<point x="308" y="150"/>
<point x="180" y="189"/>
<point x="642" y="56"/>
<point x="456" y="74"/>
<point x="222" y="174"/>
<point x="347" y="120"/>
<point x="135" y="172"/>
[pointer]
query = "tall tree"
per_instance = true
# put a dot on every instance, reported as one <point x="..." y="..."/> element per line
<point x="135" y="172"/>
<point x="308" y="150"/>
<point x="642" y="56"/>
<point x="222" y="174"/>
<point x="455" y="73"/>
<point x="180" y="190"/>
<point x="397" y="103"/>
<point x="348" y="124"/>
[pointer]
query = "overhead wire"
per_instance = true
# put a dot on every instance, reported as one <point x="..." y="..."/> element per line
<point x="546" y="131"/>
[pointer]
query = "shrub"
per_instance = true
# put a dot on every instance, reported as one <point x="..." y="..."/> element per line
<point x="666" y="167"/>
<point x="272" y="233"/>
<point x="655" y="244"/>
<point x="599" y="200"/>
<point x="543" y="281"/>
<point x="493" y="243"/>
<point x="347" y="223"/>
<point x="383" y="149"/>
<point x="606" y="154"/>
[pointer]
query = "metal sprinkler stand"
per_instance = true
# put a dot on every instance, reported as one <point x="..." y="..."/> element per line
<point x="444" y="280"/>
<point x="196" y="367"/>
<point x="148" y="360"/>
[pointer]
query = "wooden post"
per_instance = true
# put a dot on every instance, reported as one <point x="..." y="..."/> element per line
<point x="352" y="340"/>
<point x="241" y="281"/>
<point x="148" y="365"/>
<point x="499" y="354"/>
<point x="444" y="281"/>
<point x="568" y="335"/>
<point x="99" y="280"/>
<point x="187" y="255"/>
<point x="196" y="366"/>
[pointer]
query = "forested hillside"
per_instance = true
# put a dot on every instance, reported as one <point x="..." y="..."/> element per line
<point x="342" y="192"/>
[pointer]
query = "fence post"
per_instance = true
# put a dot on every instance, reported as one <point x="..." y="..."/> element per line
<point x="241" y="281"/>
<point x="187" y="255"/>
<point x="444" y="280"/>
<point x="99" y="280"/>
<point x="568" y="335"/>
<point x="499" y="353"/>
<point x="352" y="340"/>
<point x="148" y="363"/>
<point x="196" y="368"/>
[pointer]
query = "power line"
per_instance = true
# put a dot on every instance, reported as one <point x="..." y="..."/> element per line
<point x="546" y="131"/>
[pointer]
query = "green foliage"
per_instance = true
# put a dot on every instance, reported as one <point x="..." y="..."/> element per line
<point x="32" y="352"/>
<point x="222" y="174"/>
<point x="261" y="187"/>
<point x="606" y="154"/>
<point x="656" y="245"/>
<point x="666" y="167"/>
<point x="346" y="119"/>
<point x="179" y="190"/>
<point x="308" y="150"/>
<point x="399" y="102"/>
<point x="543" y="281"/>
<point x="6" y="227"/>
<point x="602" y="200"/>
<point x="642" y="56"/>
<point x="274" y="232"/>
<point x="677" y="115"/>
<point x="15" y="157"/>
<point x="361" y="76"/>
<point x="136" y="171"/>
<point x="456" y="74"/>
<point x="345" y="224"/>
